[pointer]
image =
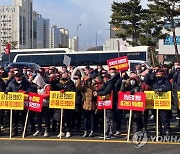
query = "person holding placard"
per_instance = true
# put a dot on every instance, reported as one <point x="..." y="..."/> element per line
<point x="133" y="85"/>
<point x="45" y="113"/>
<point x="66" y="84"/>
<point x="17" y="84"/>
<point x="108" y="86"/>
<point x="89" y="105"/>
<point x="162" y="84"/>
<point x="119" y="113"/>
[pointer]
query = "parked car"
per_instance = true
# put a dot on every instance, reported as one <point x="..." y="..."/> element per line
<point x="21" y="65"/>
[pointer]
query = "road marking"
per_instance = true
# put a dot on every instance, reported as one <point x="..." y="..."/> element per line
<point x="80" y="140"/>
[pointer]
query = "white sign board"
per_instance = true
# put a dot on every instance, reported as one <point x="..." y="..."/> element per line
<point x="67" y="60"/>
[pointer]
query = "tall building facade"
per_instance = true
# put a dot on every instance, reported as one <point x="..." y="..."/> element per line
<point x="42" y="32"/>
<point x="64" y="37"/>
<point x="54" y="36"/>
<point x="58" y="37"/>
<point x="16" y="24"/>
<point x="19" y="23"/>
<point x="73" y="44"/>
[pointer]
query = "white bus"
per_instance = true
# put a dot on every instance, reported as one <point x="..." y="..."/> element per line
<point x="9" y="58"/>
<point x="92" y="58"/>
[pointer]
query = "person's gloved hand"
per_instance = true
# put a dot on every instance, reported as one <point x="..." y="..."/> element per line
<point x="158" y="90"/>
<point x="132" y="92"/>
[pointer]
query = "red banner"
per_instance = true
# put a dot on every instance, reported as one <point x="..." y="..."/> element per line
<point x="105" y="102"/>
<point x="120" y="63"/>
<point x="132" y="102"/>
<point x="35" y="102"/>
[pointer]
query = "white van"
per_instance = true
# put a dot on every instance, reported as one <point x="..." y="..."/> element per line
<point x="133" y="63"/>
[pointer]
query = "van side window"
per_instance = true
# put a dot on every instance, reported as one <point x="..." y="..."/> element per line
<point x="133" y="66"/>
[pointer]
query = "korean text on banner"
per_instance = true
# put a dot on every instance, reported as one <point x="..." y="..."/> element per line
<point x="60" y="100"/>
<point x="120" y="63"/>
<point x="12" y="100"/>
<point x="105" y="102"/>
<point x="35" y="102"/>
<point x="178" y="99"/>
<point x="162" y="100"/>
<point x="131" y="102"/>
<point x="149" y="99"/>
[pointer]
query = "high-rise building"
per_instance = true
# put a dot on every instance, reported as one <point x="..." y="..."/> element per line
<point x="73" y="44"/>
<point x="42" y="32"/>
<point x="54" y="36"/>
<point x="58" y="37"/>
<point x="16" y="24"/>
<point x="64" y="37"/>
<point x="34" y="29"/>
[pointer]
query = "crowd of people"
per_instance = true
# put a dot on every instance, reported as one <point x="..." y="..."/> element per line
<point x="88" y="83"/>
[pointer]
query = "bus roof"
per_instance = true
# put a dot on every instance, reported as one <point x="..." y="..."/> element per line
<point x="67" y="50"/>
<point x="130" y="49"/>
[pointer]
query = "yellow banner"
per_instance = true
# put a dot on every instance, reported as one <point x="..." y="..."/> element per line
<point x="12" y="100"/>
<point x="162" y="100"/>
<point x="178" y="99"/>
<point x="60" y="100"/>
<point x="149" y="99"/>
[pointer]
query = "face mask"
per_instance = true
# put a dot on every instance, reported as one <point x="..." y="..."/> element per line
<point x="112" y="74"/>
<point x="142" y="78"/>
<point x="15" y="72"/>
<point x="143" y="68"/>
<point x="28" y="73"/>
<point x="99" y="69"/>
<point x="132" y="82"/>
<point x="19" y="81"/>
<point x="24" y="72"/>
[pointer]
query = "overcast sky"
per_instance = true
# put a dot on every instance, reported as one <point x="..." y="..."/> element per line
<point x="93" y="15"/>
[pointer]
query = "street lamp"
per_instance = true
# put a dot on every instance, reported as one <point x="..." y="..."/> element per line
<point x="78" y="37"/>
<point x="98" y="32"/>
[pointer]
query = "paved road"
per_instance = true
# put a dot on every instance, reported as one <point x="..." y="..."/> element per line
<point x="53" y="147"/>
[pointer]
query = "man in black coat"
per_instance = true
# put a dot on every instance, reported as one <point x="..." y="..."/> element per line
<point x="162" y="84"/>
<point x="18" y="83"/>
<point x="133" y="85"/>
<point x="66" y="84"/>
<point x="107" y="88"/>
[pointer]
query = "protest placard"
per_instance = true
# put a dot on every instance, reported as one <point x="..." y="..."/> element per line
<point x="60" y="100"/>
<point x="131" y="102"/>
<point x="178" y="99"/>
<point x="162" y="100"/>
<point x="120" y="63"/>
<point x="149" y="99"/>
<point x="105" y="102"/>
<point x="12" y="101"/>
<point x="35" y="102"/>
